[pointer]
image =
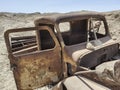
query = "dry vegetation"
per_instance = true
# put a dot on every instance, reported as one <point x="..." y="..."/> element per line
<point x="12" y="20"/>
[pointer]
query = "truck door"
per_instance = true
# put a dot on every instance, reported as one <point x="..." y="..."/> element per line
<point x="35" y="56"/>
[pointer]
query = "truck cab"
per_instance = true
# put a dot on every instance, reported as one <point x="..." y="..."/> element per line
<point x="57" y="47"/>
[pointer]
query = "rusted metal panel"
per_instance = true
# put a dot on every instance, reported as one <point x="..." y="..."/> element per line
<point x="56" y="18"/>
<point x="37" y="69"/>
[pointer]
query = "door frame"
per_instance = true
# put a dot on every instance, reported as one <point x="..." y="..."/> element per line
<point x="9" y="49"/>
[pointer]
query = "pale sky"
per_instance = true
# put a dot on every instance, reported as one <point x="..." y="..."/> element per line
<point x="43" y="6"/>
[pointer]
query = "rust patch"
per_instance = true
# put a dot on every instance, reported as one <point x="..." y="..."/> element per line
<point x="37" y="69"/>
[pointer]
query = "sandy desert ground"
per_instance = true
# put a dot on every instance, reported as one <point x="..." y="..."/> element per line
<point x="15" y="20"/>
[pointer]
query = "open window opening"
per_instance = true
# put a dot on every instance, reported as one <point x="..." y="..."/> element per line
<point x="74" y="32"/>
<point x="79" y="31"/>
<point x="30" y="41"/>
<point x="45" y="39"/>
<point x="23" y="42"/>
<point x="96" y="29"/>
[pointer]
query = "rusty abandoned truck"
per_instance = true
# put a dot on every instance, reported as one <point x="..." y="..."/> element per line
<point x="71" y="51"/>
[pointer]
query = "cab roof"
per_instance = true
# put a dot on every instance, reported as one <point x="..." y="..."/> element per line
<point x="62" y="17"/>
